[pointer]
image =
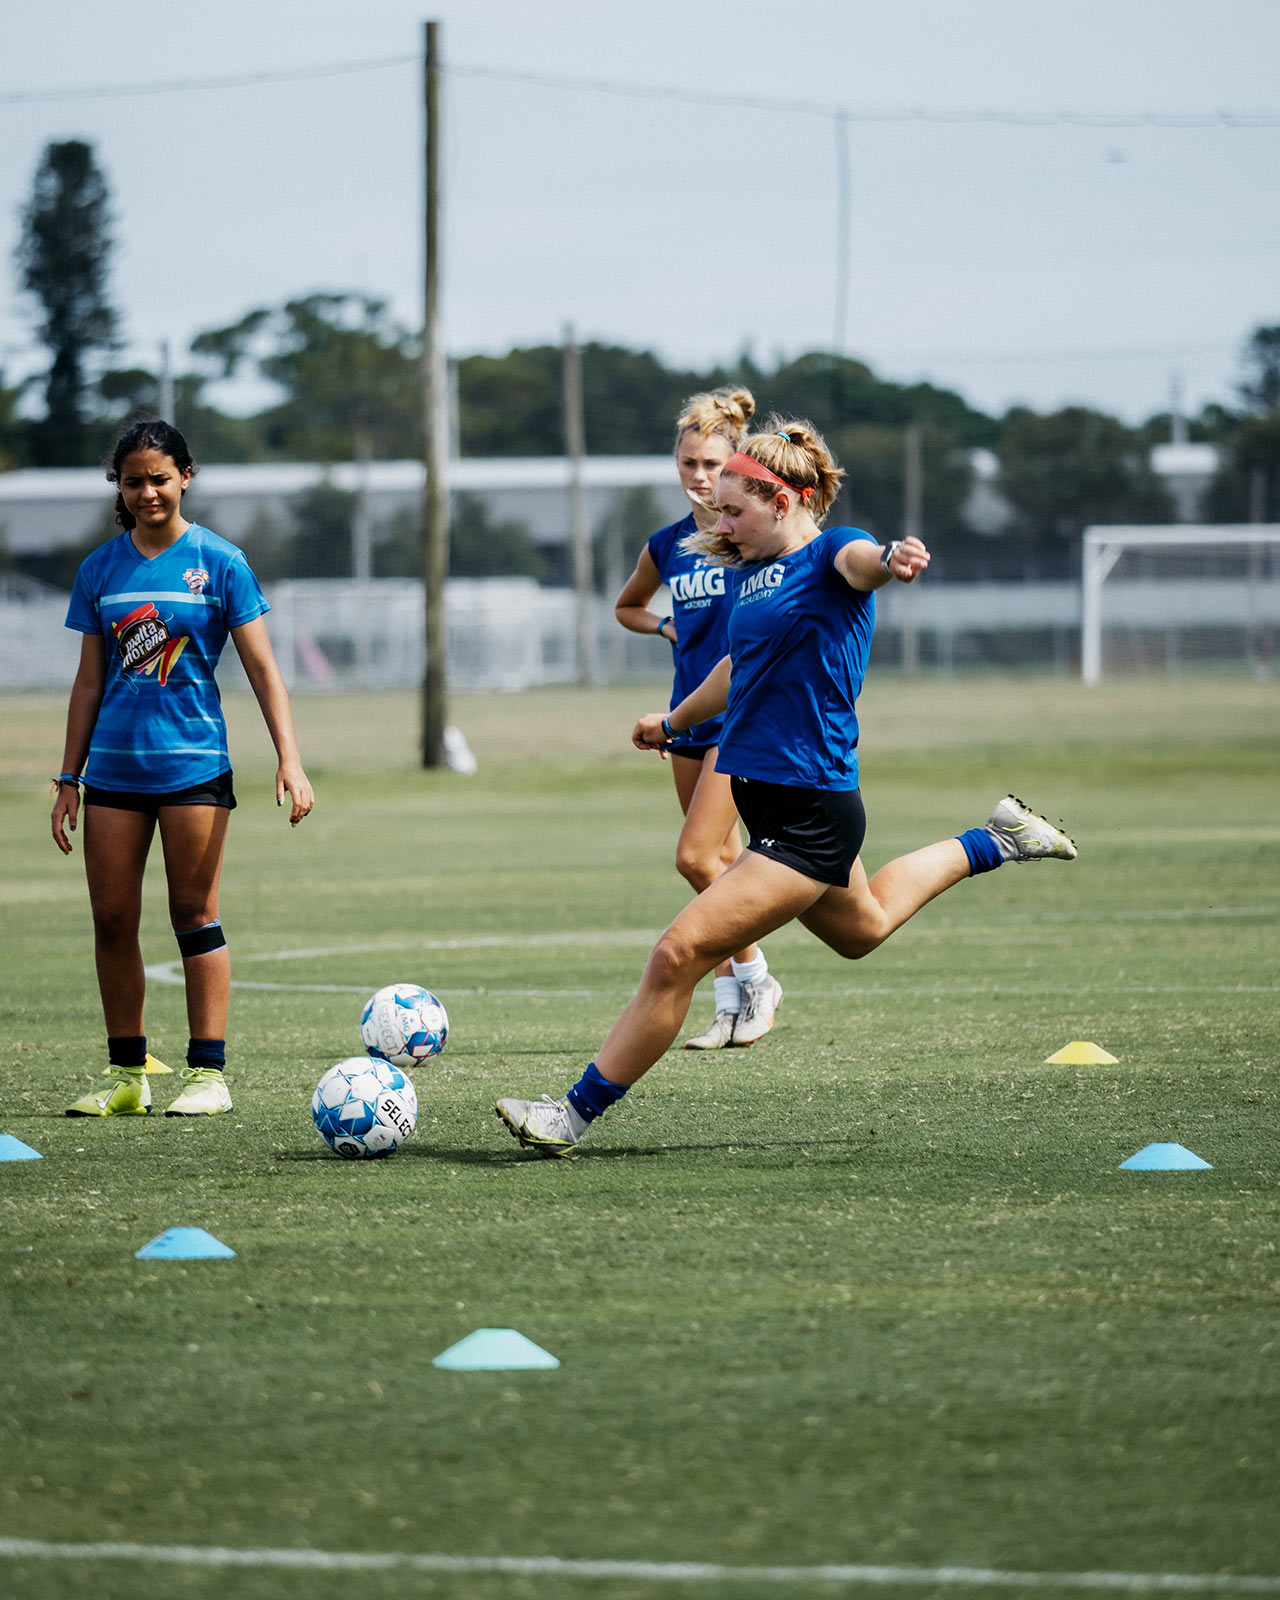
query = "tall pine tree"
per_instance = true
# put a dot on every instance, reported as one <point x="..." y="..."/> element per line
<point x="63" y="260"/>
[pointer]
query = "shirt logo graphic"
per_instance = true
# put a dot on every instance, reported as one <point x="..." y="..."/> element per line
<point x="760" y="583"/>
<point x="195" y="578"/>
<point x="145" y="643"/>
<point x="697" y="585"/>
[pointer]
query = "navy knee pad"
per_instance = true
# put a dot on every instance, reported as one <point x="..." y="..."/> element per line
<point x="199" y="941"/>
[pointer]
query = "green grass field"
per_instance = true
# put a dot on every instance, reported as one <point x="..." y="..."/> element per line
<point x="872" y="1292"/>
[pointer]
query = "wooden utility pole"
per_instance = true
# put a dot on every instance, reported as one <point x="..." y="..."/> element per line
<point x="579" y="531"/>
<point x="435" y="453"/>
<point x="912" y="528"/>
<point x="839" y="331"/>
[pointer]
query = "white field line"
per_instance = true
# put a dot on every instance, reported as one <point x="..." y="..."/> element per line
<point x="168" y="972"/>
<point x="641" y="1571"/>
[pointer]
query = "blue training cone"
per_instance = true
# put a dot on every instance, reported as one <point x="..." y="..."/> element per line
<point x="12" y="1149"/>
<point x="1165" y="1158"/>
<point x="182" y="1244"/>
<point x="494" y="1350"/>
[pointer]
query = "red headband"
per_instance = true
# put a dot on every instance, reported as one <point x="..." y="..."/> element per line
<point x="748" y="467"/>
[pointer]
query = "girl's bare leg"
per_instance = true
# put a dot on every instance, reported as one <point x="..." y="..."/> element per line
<point x="115" y="856"/>
<point x="745" y="903"/>
<point x="194" y="838"/>
<point x="709" y="842"/>
<point x="854" y="921"/>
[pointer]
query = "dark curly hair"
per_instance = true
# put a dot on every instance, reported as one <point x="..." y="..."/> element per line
<point x="151" y="434"/>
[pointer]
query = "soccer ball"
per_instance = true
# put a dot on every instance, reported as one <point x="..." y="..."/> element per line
<point x="364" y="1108"/>
<point x="403" y="1024"/>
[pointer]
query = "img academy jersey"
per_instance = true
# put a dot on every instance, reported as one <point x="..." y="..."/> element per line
<point x="164" y="622"/>
<point x="799" y="637"/>
<point x="700" y="607"/>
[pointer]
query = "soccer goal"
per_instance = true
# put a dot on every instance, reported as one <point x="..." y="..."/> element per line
<point x="1183" y="599"/>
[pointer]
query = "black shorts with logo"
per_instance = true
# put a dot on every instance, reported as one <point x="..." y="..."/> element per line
<point x="217" y="792"/>
<point x="818" y="832"/>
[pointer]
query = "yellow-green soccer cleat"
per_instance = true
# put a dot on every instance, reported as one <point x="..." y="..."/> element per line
<point x="1024" y="836"/>
<point x="542" y="1126"/>
<point x="205" y="1094"/>
<point x="126" y="1094"/>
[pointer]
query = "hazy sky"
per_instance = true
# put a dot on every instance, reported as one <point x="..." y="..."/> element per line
<point x="1042" y="263"/>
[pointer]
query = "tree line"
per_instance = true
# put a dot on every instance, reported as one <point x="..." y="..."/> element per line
<point x="347" y="379"/>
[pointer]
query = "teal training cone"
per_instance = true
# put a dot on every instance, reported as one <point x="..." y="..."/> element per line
<point x="1165" y="1158"/>
<point x="494" y="1350"/>
<point x="182" y="1244"/>
<point x="12" y="1149"/>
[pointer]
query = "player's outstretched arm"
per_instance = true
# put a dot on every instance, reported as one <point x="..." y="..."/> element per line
<point x="867" y="566"/>
<point x="709" y="698"/>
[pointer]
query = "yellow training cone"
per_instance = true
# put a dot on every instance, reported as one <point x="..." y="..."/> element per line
<point x="1080" y="1053"/>
<point x="152" y="1067"/>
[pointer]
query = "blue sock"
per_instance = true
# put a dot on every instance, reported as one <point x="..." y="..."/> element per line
<point x="593" y="1093"/>
<point x="207" y="1053"/>
<point x="982" y="850"/>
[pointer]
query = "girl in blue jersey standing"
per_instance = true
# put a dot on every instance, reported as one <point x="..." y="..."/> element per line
<point x="803" y="609"/>
<point x="147" y="740"/>
<point x="708" y="431"/>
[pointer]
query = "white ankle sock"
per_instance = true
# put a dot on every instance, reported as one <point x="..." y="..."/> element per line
<point x="751" y="971"/>
<point x="728" y="995"/>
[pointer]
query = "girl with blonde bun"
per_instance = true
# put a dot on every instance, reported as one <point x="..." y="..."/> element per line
<point x="708" y="430"/>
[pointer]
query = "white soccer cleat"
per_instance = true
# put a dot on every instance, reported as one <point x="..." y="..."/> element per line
<point x="543" y="1126"/>
<point x="718" y="1035"/>
<point x="759" y="1002"/>
<point x="1024" y="836"/>
<point x="206" y="1094"/>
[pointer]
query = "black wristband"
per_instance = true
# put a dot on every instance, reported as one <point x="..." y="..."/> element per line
<point x="667" y="729"/>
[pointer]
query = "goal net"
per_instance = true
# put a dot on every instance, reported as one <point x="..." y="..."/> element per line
<point x="1189" y="598"/>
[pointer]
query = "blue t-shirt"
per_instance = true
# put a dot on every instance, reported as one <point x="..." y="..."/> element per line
<point x="164" y="621"/>
<point x="700" y="607"/>
<point x="799" y="637"/>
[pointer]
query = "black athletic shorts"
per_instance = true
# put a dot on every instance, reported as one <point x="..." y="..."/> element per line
<point x="815" y="831"/>
<point x="693" y="752"/>
<point x="217" y="792"/>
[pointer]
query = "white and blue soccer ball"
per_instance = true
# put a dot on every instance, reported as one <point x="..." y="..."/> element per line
<point x="364" y="1108"/>
<point x="403" y="1024"/>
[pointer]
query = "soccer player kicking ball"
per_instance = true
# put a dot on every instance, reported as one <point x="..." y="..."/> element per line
<point x="803" y="610"/>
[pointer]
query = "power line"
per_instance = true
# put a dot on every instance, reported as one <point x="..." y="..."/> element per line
<point x="1059" y="117"/>
<point x="812" y="108"/>
<point x="238" y="80"/>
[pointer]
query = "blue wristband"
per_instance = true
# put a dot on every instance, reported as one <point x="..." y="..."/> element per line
<point x="667" y="728"/>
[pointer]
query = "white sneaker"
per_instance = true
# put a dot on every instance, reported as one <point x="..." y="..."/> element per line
<point x="543" y="1126"/>
<point x="206" y="1094"/>
<point x="717" y="1036"/>
<point x="759" y="1002"/>
<point x="1024" y="836"/>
